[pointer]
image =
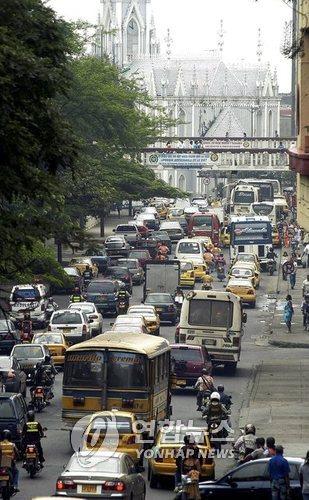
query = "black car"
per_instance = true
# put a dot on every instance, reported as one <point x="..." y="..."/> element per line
<point x="9" y="336"/>
<point x="164" y="305"/>
<point x="104" y="294"/>
<point x="249" y="481"/>
<point x="135" y="269"/>
<point x="122" y="274"/>
<point x="13" y="415"/>
<point x="16" y="383"/>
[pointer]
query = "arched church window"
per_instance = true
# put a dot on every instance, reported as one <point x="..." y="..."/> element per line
<point x="270" y="123"/>
<point x="132" y="39"/>
<point x="182" y="182"/>
<point x="170" y="180"/>
<point x="182" y="123"/>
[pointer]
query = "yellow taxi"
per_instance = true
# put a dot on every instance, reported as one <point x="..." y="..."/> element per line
<point x="169" y="441"/>
<point x="80" y="264"/>
<point x="162" y="211"/>
<point x="200" y="269"/>
<point x="247" y="257"/>
<point x="246" y="270"/>
<point x="187" y="274"/>
<point x="56" y="344"/>
<point x="225" y="237"/>
<point x="173" y="213"/>
<point x="276" y="240"/>
<point x="243" y="288"/>
<point x="150" y="315"/>
<point x="120" y="426"/>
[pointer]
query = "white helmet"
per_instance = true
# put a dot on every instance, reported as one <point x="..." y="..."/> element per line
<point x="214" y="395"/>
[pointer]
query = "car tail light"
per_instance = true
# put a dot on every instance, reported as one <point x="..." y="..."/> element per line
<point x="49" y="328"/>
<point x="31" y="449"/>
<point x="114" y="486"/>
<point x="66" y="485"/>
<point x="84" y="329"/>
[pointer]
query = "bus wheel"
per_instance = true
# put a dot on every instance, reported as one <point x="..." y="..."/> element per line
<point x="230" y="368"/>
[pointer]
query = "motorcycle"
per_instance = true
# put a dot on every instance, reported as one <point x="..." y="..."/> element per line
<point x="6" y="483"/>
<point x="50" y="308"/>
<point x="122" y="307"/>
<point x="38" y="402"/>
<point x="31" y="460"/>
<point x="26" y="334"/>
<point x="271" y="267"/>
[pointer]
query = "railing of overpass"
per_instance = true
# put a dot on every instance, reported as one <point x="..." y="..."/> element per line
<point x="219" y="143"/>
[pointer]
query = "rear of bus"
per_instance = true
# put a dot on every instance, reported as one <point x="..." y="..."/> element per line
<point x="206" y="224"/>
<point x="128" y="373"/>
<point x="213" y="319"/>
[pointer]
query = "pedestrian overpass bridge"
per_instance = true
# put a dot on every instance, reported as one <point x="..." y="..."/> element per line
<point x="195" y="164"/>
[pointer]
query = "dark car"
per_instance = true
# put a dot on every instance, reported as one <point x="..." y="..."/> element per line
<point x="163" y="237"/>
<point x="104" y="294"/>
<point x="141" y="255"/>
<point x="248" y="481"/>
<point x="117" y="245"/>
<point x="183" y="224"/>
<point x="9" y="336"/>
<point x="121" y="274"/>
<point x="17" y="383"/>
<point x="130" y="232"/>
<point x="13" y="415"/>
<point x="29" y="355"/>
<point x="134" y="268"/>
<point x="164" y="305"/>
<point x="101" y="261"/>
<point x="187" y="363"/>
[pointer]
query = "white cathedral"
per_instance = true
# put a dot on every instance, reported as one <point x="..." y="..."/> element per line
<point x="209" y="97"/>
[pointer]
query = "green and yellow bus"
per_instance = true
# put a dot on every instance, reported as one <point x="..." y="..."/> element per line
<point x="117" y="371"/>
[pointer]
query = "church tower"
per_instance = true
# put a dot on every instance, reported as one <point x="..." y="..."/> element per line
<point x="126" y="31"/>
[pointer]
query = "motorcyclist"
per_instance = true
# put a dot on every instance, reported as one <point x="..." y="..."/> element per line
<point x="207" y="280"/>
<point x="163" y="249"/>
<point x="271" y="255"/>
<point x="245" y="444"/>
<point x="77" y="295"/>
<point x="179" y="298"/>
<point x="26" y="327"/>
<point x="9" y="450"/>
<point x="88" y="274"/>
<point x="124" y="295"/>
<point x="32" y="433"/>
<point x="214" y="410"/>
<point x="187" y="459"/>
<point x="48" y="382"/>
<point x="204" y="384"/>
<point x="224" y="398"/>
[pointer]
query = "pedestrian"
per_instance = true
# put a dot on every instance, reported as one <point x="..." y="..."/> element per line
<point x="279" y="469"/>
<point x="288" y="312"/>
<point x="258" y="452"/>
<point x="306" y="254"/>
<point x="304" y="478"/>
<point x="270" y="447"/>
<point x="292" y="274"/>
<point x="305" y="286"/>
<point x="305" y="311"/>
<point x="285" y="258"/>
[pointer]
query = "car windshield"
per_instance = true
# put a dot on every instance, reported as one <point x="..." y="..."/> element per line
<point x="214" y="313"/>
<point x="125" y="229"/>
<point x="92" y="463"/>
<point x="189" y="247"/>
<point x="25" y="294"/>
<point x="185" y="266"/>
<point x="27" y="351"/>
<point x="202" y="221"/>
<point x="87" y="309"/>
<point x="158" y="298"/>
<point x="127" y="328"/>
<point x="126" y="370"/>
<point x="6" y="409"/>
<point x="186" y="354"/>
<point x="130" y="264"/>
<point x="71" y="271"/>
<point x="123" y="425"/>
<point x="67" y="317"/>
<point x="118" y="271"/>
<point x="139" y="255"/>
<point x="114" y="239"/>
<point x="142" y="311"/>
<point x="106" y="287"/>
<point x="48" y="338"/>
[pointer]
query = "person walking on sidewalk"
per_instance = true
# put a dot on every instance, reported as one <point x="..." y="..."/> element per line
<point x="305" y="286"/>
<point x="305" y="255"/>
<point x="288" y="312"/>
<point x="305" y="311"/>
<point x="293" y="274"/>
<point x="279" y="470"/>
<point x="304" y="478"/>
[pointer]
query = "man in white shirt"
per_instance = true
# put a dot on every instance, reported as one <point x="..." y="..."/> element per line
<point x="306" y="254"/>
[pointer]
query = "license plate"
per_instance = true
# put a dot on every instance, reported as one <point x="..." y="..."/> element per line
<point x="66" y="330"/>
<point x="89" y="488"/>
<point x="209" y="342"/>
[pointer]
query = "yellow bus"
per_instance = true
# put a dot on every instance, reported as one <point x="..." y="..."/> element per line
<point x="129" y="372"/>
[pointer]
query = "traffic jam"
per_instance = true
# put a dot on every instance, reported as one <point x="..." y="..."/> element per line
<point x="151" y="315"/>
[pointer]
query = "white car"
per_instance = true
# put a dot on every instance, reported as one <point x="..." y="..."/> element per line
<point x="74" y="325"/>
<point x="92" y="313"/>
<point x="188" y="249"/>
<point x="31" y="298"/>
<point x="125" y="323"/>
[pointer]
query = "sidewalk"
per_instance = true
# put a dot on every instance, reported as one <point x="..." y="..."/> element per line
<point x="279" y="335"/>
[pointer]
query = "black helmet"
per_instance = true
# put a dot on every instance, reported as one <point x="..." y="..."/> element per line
<point x="30" y="416"/>
<point x="220" y="388"/>
<point x="6" y="434"/>
<point x="249" y="429"/>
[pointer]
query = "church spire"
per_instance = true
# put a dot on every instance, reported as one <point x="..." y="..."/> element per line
<point x="168" y="40"/>
<point x="259" y="47"/>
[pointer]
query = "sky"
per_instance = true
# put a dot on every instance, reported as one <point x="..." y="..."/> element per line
<point x="194" y="27"/>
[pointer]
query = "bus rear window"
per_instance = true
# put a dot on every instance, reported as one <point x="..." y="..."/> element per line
<point x="126" y="370"/>
<point x="244" y="197"/>
<point x="84" y="369"/>
<point x="212" y="313"/>
<point x="202" y="221"/>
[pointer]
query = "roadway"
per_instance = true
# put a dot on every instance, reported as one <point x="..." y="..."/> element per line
<point x="57" y="448"/>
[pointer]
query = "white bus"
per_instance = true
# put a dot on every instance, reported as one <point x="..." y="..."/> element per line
<point x="213" y="319"/>
<point x="242" y="196"/>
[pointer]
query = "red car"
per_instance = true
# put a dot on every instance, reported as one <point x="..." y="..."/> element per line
<point x="141" y="255"/>
<point x="187" y="363"/>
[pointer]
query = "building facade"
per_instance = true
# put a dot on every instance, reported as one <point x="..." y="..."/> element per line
<point x="205" y="94"/>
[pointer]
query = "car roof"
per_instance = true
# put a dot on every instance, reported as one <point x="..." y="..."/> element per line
<point x="239" y="282"/>
<point x="101" y="454"/>
<point x="77" y="305"/>
<point x="186" y="346"/>
<point x="113" y="412"/>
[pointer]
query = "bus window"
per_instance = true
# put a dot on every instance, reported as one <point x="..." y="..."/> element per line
<point x="202" y="221"/>
<point x="246" y="197"/>
<point x="213" y="313"/>
<point x="84" y="369"/>
<point x="126" y="370"/>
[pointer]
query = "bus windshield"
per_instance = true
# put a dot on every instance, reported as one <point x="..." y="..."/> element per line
<point x="262" y="209"/>
<point x="202" y="221"/>
<point x="212" y="313"/>
<point x="244" y="197"/>
<point x="189" y="247"/>
<point x="252" y="232"/>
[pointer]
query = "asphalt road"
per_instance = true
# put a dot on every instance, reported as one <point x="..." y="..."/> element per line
<point x="57" y="447"/>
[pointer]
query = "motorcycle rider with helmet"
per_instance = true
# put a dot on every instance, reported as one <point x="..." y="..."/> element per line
<point x="214" y="410"/>
<point x="32" y="433"/>
<point x="9" y="450"/>
<point x="124" y="295"/>
<point x="245" y="444"/>
<point x="224" y="398"/>
<point x="77" y="296"/>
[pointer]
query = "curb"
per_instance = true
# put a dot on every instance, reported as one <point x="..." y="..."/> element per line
<point x="283" y="343"/>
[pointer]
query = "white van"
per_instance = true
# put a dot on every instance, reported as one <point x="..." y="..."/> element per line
<point x="173" y="229"/>
<point x="188" y="249"/>
<point x="32" y="299"/>
<point x="213" y="319"/>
